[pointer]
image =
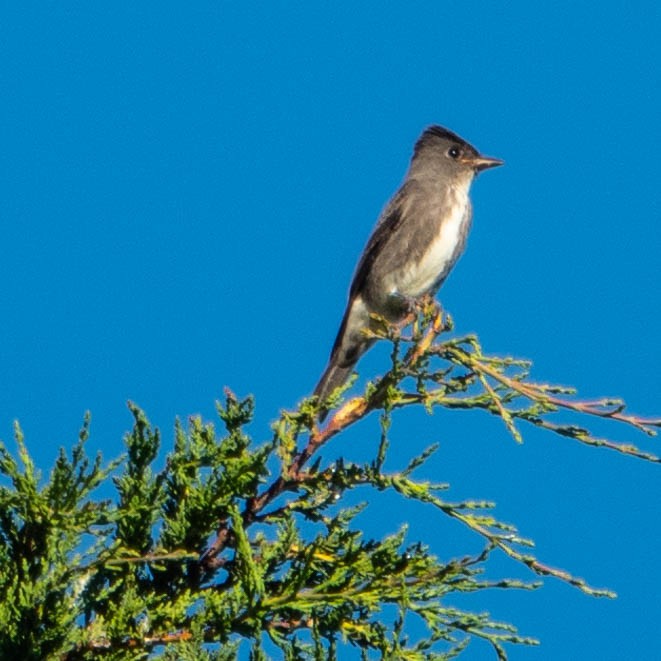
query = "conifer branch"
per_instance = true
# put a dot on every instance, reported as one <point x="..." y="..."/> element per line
<point x="235" y="544"/>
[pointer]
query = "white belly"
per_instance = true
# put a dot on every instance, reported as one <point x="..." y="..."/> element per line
<point x="422" y="276"/>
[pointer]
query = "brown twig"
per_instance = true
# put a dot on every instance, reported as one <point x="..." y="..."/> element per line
<point x="603" y="408"/>
<point x="352" y="411"/>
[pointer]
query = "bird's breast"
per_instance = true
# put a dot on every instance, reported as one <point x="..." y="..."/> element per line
<point x="425" y="274"/>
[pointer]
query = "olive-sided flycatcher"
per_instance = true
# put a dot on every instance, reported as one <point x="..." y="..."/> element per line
<point x="416" y="241"/>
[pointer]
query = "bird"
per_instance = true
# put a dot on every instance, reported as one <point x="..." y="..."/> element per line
<point x="418" y="238"/>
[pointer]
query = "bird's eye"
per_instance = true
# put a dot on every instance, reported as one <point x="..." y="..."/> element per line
<point x="454" y="152"/>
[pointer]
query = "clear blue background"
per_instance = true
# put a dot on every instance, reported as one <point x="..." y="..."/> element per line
<point x="185" y="191"/>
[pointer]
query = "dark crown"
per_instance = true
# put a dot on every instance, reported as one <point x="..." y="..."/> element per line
<point x="432" y="133"/>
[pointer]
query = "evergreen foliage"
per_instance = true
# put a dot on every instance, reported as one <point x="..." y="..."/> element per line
<point x="236" y="546"/>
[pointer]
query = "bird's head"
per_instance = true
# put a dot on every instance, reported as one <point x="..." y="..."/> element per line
<point x="440" y="152"/>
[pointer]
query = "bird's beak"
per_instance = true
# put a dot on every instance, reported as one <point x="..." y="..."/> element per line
<point x="484" y="162"/>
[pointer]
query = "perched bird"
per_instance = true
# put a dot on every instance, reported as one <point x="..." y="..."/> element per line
<point x="416" y="241"/>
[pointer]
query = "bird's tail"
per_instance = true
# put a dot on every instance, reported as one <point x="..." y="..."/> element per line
<point x="333" y="377"/>
<point x="350" y="344"/>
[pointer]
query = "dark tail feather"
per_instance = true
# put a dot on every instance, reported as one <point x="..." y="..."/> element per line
<point x="350" y="344"/>
<point x="334" y="376"/>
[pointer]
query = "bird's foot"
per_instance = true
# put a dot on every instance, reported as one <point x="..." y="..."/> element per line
<point x="404" y="311"/>
<point x="424" y="306"/>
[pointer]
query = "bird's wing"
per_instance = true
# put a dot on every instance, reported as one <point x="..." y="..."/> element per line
<point x="389" y="222"/>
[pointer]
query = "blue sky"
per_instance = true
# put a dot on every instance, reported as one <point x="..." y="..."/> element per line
<point x="186" y="189"/>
